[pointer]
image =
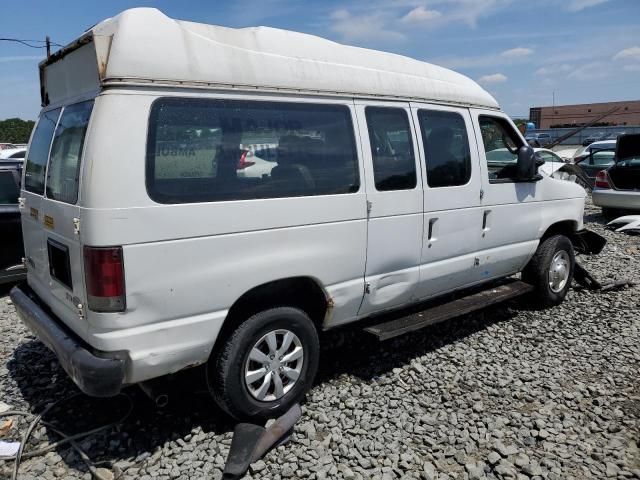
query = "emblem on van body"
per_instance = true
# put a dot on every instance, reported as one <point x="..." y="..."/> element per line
<point x="48" y="222"/>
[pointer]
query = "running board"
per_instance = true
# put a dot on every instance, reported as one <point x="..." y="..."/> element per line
<point x="445" y="311"/>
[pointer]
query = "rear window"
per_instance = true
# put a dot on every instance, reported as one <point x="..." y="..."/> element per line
<point x="214" y="150"/>
<point x="39" y="152"/>
<point x="66" y="151"/>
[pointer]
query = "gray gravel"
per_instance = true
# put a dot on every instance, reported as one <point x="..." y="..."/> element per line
<point x="510" y="392"/>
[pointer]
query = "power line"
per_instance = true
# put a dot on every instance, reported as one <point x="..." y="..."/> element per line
<point x="28" y="43"/>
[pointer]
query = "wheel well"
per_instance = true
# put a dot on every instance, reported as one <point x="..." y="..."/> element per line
<point x="565" y="227"/>
<point x="301" y="292"/>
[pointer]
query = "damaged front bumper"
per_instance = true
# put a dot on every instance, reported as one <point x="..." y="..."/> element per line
<point x="588" y="242"/>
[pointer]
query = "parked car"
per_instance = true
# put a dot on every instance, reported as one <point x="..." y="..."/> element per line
<point x="385" y="194"/>
<point x="583" y="152"/>
<point x="13" y="154"/>
<point x="11" y="249"/>
<point x="596" y="161"/>
<point x="550" y="164"/>
<point x="614" y="135"/>
<point x="594" y="137"/>
<point x="550" y="156"/>
<point x="618" y="186"/>
<point x="257" y="163"/>
<point x="537" y="140"/>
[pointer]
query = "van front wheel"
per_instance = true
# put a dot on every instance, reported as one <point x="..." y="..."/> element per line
<point x="265" y="365"/>
<point x="550" y="271"/>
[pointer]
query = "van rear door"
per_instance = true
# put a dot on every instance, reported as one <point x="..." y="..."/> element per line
<point x="58" y="269"/>
<point x="33" y="193"/>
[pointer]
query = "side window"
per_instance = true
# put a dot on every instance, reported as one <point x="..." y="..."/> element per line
<point x="501" y="144"/>
<point x="9" y="190"/>
<point x="546" y="156"/>
<point x="603" y="158"/>
<point x="216" y="150"/>
<point x="39" y="152"/>
<point x="446" y="145"/>
<point x="66" y="151"/>
<point x="394" y="165"/>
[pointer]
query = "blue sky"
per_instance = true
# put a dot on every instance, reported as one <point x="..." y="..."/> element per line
<point x="521" y="51"/>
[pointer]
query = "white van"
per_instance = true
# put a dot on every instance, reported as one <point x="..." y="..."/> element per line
<point x="150" y="251"/>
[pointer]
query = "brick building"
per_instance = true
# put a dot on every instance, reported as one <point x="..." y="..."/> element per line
<point x="626" y="113"/>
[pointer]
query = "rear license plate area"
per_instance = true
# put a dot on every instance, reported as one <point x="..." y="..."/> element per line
<point x="59" y="263"/>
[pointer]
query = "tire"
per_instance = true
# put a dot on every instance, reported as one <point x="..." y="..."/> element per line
<point x="228" y="366"/>
<point x="537" y="271"/>
<point x="610" y="213"/>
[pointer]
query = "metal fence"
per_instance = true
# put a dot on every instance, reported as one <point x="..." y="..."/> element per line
<point x="582" y="135"/>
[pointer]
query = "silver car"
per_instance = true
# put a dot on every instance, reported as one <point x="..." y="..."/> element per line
<point x="618" y="187"/>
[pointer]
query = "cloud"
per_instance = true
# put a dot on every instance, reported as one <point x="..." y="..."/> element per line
<point x="470" y="11"/>
<point x="631" y="53"/>
<point x="494" y="78"/>
<point x="517" y="52"/>
<point x="590" y="71"/>
<point x="578" y="5"/>
<point x="22" y="58"/>
<point x="631" y="68"/>
<point x="341" y="14"/>
<point x="449" y="11"/>
<point x="556" y="69"/>
<point x="421" y="15"/>
<point x="507" y="57"/>
<point x="363" y="28"/>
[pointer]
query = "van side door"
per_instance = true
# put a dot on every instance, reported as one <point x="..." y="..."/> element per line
<point x="510" y="214"/>
<point x="452" y="223"/>
<point x="394" y="200"/>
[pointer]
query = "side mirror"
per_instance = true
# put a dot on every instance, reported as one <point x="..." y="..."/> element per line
<point x="526" y="166"/>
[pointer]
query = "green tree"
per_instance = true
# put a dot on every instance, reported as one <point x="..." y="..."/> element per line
<point x="15" y="130"/>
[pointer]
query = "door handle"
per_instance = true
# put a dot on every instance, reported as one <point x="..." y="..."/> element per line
<point x="485" y="221"/>
<point x="431" y="231"/>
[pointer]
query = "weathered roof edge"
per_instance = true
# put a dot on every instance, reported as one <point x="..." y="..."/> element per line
<point x="147" y="45"/>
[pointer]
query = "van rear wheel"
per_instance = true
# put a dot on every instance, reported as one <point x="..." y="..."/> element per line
<point x="550" y="271"/>
<point x="265" y="365"/>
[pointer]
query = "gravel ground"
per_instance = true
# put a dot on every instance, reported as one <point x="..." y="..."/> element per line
<point x="506" y="393"/>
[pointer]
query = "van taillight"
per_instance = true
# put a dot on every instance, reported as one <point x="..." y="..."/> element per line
<point x="104" y="276"/>
<point x="243" y="162"/>
<point x="602" y="179"/>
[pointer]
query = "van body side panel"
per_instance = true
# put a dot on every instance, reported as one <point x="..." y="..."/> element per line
<point x="186" y="264"/>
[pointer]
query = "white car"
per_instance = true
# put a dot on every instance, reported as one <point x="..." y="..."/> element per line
<point x="552" y="162"/>
<point x="583" y="152"/>
<point x="257" y="160"/>
<point x="13" y="154"/>
<point x="384" y="195"/>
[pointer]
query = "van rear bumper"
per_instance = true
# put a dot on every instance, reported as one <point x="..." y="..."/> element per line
<point x="94" y="375"/>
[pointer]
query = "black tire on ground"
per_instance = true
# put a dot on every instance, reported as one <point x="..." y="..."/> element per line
<point x="226" y="367"/>
<point x="610" y="213"/>
<point x="537" y="271"/>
